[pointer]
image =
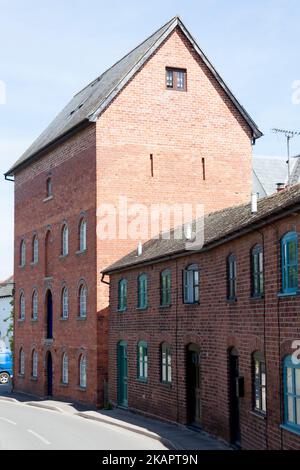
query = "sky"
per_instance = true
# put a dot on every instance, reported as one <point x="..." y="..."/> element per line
<point x="49" y="50"/>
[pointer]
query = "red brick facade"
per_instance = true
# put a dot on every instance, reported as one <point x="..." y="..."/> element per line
<point x="108" y="159"/>
<point x="269" y="325"/>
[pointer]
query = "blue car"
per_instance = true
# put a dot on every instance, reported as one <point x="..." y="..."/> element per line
<point x="6" y="367"/>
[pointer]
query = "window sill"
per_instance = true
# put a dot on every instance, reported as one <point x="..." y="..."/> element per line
<point x="288" y="294"/>
<point x="49" y="198"/>
<point x="231" y="301"/>
<point x="63" y="319"/>
<point x="21" y="376"/>
<point x="176" y="89"/>
<point x="258" y="415"/>
<point x="21" y="320"/>
<point x="22" y="266"/>
<point x="48" y="341"/>
<point x="142" y="381"/>
<point x="80" y="252"/>
<point x="257" y="297"/>
<point x="162" y="307"/>
<point x="63" y="385"/>
<point x="33" y="263"/>
<point x="122" y="310"/>
<point x="61" y="257"/>
<point x="33" y="379"/>
<point x="34" y="320"/>
<point x="81" y="318"/>
<point x="291" y="428"/>
<point x="48" y="278"/>
<point x="191" y="304"/>
<point x="166" y="384"/>
<point x="142" y="308"/>
<point x="81" y="389"/>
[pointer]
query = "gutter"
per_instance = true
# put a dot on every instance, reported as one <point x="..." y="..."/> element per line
<point x="221" y="241"/>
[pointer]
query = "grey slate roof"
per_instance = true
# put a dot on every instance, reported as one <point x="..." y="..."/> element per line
<point x="90" y="102"/>
<point x="6" y="288"/>
<point x="270" y="170"/>
<point x="219" y="227"/>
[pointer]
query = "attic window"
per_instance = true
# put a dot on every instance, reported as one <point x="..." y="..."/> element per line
<point x="176" y="79"/>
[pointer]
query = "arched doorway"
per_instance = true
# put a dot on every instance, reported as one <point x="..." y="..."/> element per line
<point x="49" y="374"/>
<point x="49" y="315"/>
<point x="193" y="383"/>
<point x="234" y="402"/>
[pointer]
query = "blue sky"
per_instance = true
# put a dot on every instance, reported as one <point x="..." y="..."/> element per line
<point x="50" y="50"/>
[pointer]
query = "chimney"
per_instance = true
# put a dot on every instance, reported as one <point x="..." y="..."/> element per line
<point x="280" y="187"/>
<point x="188" y="232"/>
<point x="140" y="249"/>
<point x="253" y="203"/>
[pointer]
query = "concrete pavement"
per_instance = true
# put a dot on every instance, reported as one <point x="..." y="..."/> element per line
<point x="169" y="435"/>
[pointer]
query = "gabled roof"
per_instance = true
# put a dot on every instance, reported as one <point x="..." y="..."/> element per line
<point x="87" y="105"/>
<point x="219" y="227"/>
<point x="270" y="170"/>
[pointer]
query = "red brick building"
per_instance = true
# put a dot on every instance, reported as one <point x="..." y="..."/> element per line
<point x="207" y="337"/>
<point x="158" y="126"/>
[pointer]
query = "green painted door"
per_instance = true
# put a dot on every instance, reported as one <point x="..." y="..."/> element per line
<point x="122" y="374"/>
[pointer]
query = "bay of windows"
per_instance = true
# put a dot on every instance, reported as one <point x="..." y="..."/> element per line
<point x="291" y="380"/>
<point x="165" y="288"/>
<point x="142" y="291"/>
<point x="289" y="263"/>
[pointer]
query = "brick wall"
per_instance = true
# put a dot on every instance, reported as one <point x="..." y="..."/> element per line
<point x="268" y="325"/>
<point x="72" y="170"/>
<point x="112" y="159"/>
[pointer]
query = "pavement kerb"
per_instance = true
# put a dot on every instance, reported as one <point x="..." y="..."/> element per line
<point x="9" y="399"/>
<point x="44" y="406"/>
<point x="166" y="442"/>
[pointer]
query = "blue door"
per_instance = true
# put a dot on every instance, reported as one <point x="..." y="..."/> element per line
<point x="122" y="374"/>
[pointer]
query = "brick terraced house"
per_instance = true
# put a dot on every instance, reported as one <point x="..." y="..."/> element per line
<point x="159" y="126"/>
<point x="206" y="337"/>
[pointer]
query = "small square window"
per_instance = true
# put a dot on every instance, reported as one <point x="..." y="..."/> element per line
<point x="176" y="79"/>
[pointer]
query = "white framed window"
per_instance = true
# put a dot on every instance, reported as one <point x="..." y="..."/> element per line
<point x="191" y="284"/>
<point x="35" y="250"/>
<point x="82" y="371"/>
<point x="34" y="305"/>
<point x="82" y="235"/>
<point x="21" y="362"/>
<point x="23" y="253"/>
<point x="65" y="303"/>
<point x="65" y="240"/>
<point x="65" y="369"/>
<point x="22" y="306"/>
<point x="82" y="301"/>
<point x="34" y="364"/>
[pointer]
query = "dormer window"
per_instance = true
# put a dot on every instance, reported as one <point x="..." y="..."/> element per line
<point x="176" y="79"/>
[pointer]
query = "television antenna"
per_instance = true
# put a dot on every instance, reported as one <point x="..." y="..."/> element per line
<point x="288" y="135"/>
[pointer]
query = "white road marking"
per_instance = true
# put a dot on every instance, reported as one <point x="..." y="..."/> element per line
<point x="41" y="438"/>
<point x="8" y="421"/>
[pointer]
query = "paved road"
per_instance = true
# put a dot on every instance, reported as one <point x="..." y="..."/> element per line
<point x="23" y="427"/>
